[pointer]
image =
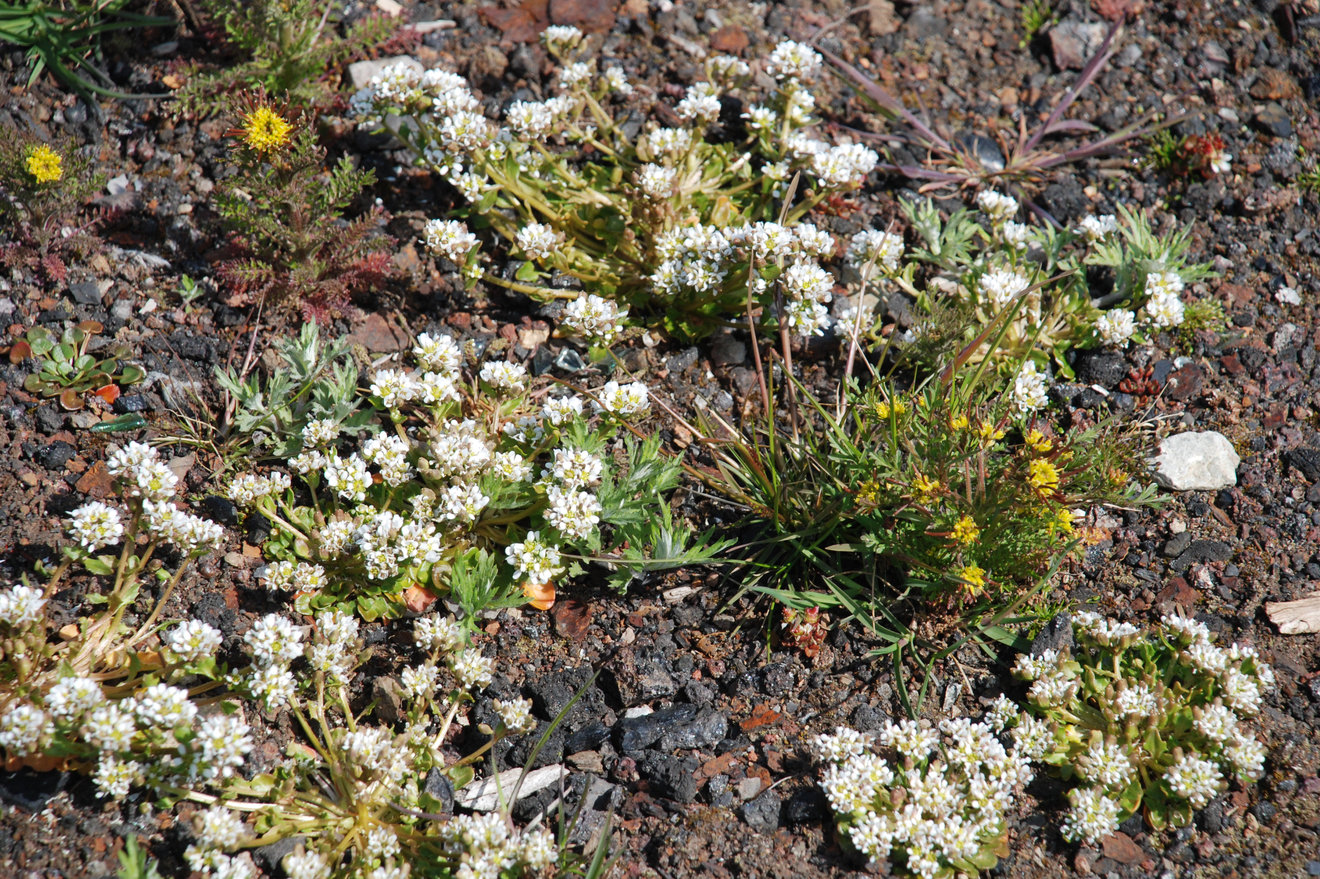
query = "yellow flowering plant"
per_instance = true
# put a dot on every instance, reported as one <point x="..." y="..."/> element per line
<point x="288" y="248"/>
<point x="44" y="188"/>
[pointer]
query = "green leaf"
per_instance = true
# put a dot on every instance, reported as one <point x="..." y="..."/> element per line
<point x="527" y="272"/>
<point x="101" y="565"/>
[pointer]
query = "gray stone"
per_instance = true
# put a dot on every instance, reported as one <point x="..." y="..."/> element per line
<point x="1272" y="119"/>
<point x="762" y="813"/>
<point x="86" y="292"/>
<point x="361" y="72"/>
<point x="1196" y="461"/>
<point x="1056" y="635"/>
<point x="1073" y="43"/>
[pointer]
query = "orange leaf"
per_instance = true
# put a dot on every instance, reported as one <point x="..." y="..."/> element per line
<point x="541" y="597"/>
<point x="19" y="351"/>
<point x="109" y="393"/>
<point x="418" y="599"/>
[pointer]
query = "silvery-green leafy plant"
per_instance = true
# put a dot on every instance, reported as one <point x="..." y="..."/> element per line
<point x="971" y="267"/>
<point x="1153" y="722"/>
<point x="683" y="226"/>
<point x="481" y="484"/>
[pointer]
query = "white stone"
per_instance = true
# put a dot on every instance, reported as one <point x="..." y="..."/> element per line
<point x="1196" y="461"/>
<point x="361" y="72"/>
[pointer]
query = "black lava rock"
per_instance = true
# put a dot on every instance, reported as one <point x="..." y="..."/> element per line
<point x="705" y="731"/>
<point x="220" y="510"/>
<point x="1101" y="367"/>
<point x="634" y="734"/>
<point x="671" y="777"/>
<point x="56" y="455"/>
<point x="1056" y="635"/>
<point x="1305" y="461"/>
<point x="1202" y="551"/>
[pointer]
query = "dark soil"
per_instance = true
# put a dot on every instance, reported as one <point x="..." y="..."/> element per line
<point x="716" y="781"/>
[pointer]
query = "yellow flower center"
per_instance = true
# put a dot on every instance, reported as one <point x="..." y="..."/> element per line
<point x="965" y="531"/>
<point x="883" y="409"/>
<point x="926" y="487"/>
<point x="45" y="165"/>
<point x="973" y="577"/>
<point x="868" y="493"/>
<point x="265" y="130"/>
<point x="1039" y="441"/>
<point x="1043" y="475"/>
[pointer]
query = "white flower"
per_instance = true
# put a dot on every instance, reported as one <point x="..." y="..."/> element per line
<point x="192" y="640"/>
<point x="504" y="376"/>
<point x="808" y="281"/>
<point x="1000" y="286"/>
<point x="419" y="680"/>
<point x="560" y="37"/>
<point x="655" y="182"/>
<point x="843" y="165"/>
<point x="1095" y="228"/>
<point x="534" y="559"/>
<point x="1136" y="700"/>
<point x="813" y="241"/>
<point x="572" y="74"/>
<point x="594" y="318"/>
<point x="132" y="456"/>
<point x="113" y="777"/>
<point x="539" y="241"/>
<point x="884" y="248"/>
<point x="305" y="864"/>
<point x="472" y="669"/>
<point x="219" y="828"/>
<point x="510" y="466"/>
<point x="1217" y="723"/>
<point x="997" y="206"/>
<point x="1247" y="755"/>
<point x="1093" y="816"/>
<point x="274" y="640"/>
<point x="224" y="740"/>
<point x="95" y="525"/>
<point x="807" y="317"/>
<point x="24" y="728"/>
<point x="1015" y="235"/>
<point x="437" y="634"/>
<point x="761" y="119"/>
<point x="1194" y="779"/>
<point x="1029" y="390"/>
<point x="164" y="707"/>
<point x="1107" y="765"/>
<point x="348" y="477"/>
<point x="72" y="697"/>
<point x="516" y="715"/>
<point x="623" y="400"/>
<point x="616" y="81"/>
<point x="393" y="387"/>
<point x="274" y="685"/>
<point x="21" y="605"/>
<point x="1116" y="326"/>
<point x="666" y="142"/>
<point x="450" y="239"/>
<point x="574" y="468"/>
<point x="1165" y="310"/>
<point x="791" y="59"/>
<point x="572" y="513"/>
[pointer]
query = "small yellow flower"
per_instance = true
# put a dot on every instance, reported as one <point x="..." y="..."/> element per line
<point x="959" y="422"/>
<point x="265" y="130"/>
<point x="1063" y="521"/>
<point x="965" y="531"/>
<point x="45" y="165"/>
<point x="868" y="493"/>
<point x="883" y="409"/>
<point x="973" y="577"/>
<point x="1039" y="441"/>
<point x="989" y="433"/>
<point x="1043" y="475"/>
<point x="926" y="488"/>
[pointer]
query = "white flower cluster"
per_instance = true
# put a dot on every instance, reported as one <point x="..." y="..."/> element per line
<point x="884" y="249"/>
<point x="249" y="488"/>
<point x="450" y="239"/>
<point x="21" y="606"/>
<point x="485" y="845"/>
<point x="1094" y="228"/>
<point x="997" y="206"/>
<point x="1164" y="307"/>
<point x="142" y="475"/>
<point x="594" y="318"/>
<point x="539" y="241"/>
<point x="1030" y="391"/>
<point x="999" y="287"/>
<point x="938" y="797"/>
